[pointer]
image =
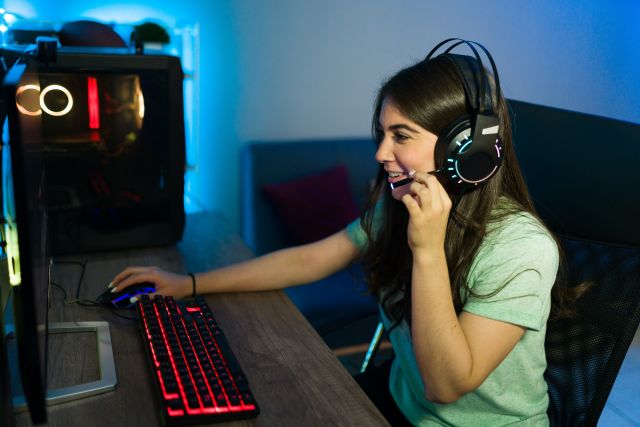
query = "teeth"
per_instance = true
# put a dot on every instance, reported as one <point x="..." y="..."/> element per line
<point x="395" y="174"/>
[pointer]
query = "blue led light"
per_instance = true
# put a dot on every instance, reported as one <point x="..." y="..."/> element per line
<point x="126" y="296"/>
<point x="465" y="146"/>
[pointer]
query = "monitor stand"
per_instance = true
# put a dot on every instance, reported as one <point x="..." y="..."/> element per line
<point x="107" y="369"/>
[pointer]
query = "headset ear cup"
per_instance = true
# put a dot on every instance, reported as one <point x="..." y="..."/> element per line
<point x="447" y="146"/>
<point x="459" y="131"/>
<point x="468" y="152"/>
<point x="462" y="165"/>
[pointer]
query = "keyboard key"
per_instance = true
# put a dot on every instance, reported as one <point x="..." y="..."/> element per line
<point x="199" y="379"/>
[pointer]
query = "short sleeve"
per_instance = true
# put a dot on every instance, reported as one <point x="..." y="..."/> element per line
<point x="356" y="233"/>
<point x="513" y="273"/>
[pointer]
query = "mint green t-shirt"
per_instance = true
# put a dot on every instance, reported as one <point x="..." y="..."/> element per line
<point x="520" y="252"/>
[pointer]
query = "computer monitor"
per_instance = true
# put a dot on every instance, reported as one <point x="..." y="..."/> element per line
<point x="26" y="326"/>
<point x="25" y="231"/>
<point x="6" y="399"/>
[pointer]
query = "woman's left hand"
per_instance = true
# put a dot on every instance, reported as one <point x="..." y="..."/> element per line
<point x="429" y="205"/>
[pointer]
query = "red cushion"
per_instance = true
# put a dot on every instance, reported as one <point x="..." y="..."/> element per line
<point x="315" y="206"/>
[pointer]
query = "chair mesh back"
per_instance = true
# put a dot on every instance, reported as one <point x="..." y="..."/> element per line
<point x="584" y="355"/>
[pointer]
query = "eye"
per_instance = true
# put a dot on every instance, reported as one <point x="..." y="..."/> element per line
<point x="400" y="137"/>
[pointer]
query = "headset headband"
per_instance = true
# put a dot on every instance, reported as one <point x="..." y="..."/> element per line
<point x="483" y="108"/>
<point x="469" y="150"/>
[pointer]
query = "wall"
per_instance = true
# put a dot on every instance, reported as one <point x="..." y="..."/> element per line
<point x="283" y="69"/>
<point x="311" y="68"/>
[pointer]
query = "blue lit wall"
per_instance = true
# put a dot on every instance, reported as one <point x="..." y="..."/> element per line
<point x="218" y="78"/>
<point x="311" y="68"/>
<point x="289" y="69"/>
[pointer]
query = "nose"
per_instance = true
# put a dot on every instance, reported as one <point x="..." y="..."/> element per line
<point x="384" y="153"/>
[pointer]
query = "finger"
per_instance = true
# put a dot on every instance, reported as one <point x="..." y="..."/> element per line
<point x="146" y="276"/>
<point x="423" y="178"/>
<point x="440" y="202"/>
<point x="446" y="200"/>
<point x="430" y="180"/>
<point x="439" y="196"/>
<point x="411" y="204"/>
<point x="136" y="298"/>
<point x="126" y="273"/>
<point x="440" y="193"/>
<point x="421" y="193"/>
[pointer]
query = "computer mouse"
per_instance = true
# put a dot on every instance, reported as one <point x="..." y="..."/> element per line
<point x="121" y="298"/>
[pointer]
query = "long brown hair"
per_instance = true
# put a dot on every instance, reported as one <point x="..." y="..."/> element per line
<point x="431" y="94"/>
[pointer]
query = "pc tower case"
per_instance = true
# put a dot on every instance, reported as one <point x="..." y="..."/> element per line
<point x="114" y="146"/>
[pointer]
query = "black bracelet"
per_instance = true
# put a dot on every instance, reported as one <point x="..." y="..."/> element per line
<point x="193" y="283"/>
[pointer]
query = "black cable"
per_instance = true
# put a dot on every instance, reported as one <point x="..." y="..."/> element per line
<point x="94" y="304"/>
<point x="64" y="291"/>
<point x="83" y="266"/>
<point x="86" y="302"/>
<point x="84" y="269"/>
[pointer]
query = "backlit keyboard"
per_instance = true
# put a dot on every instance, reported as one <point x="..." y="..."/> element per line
<point x="197" y="375"/>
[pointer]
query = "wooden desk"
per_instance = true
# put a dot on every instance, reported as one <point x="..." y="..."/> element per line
<point x="295" y="378"/>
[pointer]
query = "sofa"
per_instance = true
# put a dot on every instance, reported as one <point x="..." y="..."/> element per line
<point x="338" y="307"/>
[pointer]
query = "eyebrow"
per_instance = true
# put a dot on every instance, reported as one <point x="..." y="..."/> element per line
<point x="403" y="126"/>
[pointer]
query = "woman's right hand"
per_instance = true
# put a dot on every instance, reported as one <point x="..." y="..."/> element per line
<point x="167" y="284"/>
<point x="429" y="205"/>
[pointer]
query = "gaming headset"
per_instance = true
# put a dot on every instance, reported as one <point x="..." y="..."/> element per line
<point x="469" y="150"/>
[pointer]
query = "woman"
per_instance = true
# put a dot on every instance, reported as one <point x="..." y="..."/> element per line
<point x="464" y="278"/>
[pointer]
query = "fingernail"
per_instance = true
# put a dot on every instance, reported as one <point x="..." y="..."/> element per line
<point x="114" y="289"/>
<point x="133" y="300"/>
<point x="412" y="173"/>
<point x="110" y="285"/>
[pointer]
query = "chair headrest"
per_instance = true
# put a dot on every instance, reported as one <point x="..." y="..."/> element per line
<point x="89" y="33"/>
